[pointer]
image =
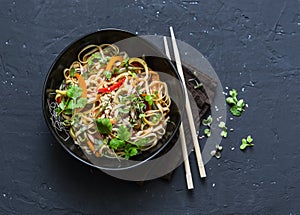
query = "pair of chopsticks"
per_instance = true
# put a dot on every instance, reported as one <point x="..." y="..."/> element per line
<point x="201" y="168"/>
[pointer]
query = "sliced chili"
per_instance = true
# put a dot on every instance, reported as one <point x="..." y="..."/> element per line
<point x="112" y="87"/>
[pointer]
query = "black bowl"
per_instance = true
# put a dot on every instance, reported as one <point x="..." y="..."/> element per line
<point x="135" y="47"/>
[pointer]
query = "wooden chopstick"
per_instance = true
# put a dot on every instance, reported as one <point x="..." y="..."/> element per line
<point x="188" y="174"/>
<point x="188" y="107"/>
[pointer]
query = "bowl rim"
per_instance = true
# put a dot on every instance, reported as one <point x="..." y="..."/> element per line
<point x="50" y="127"/>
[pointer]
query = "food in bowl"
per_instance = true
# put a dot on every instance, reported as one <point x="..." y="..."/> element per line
<point x="111" y="104"/>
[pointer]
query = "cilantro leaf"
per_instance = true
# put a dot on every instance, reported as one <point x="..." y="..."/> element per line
<point x="249" y="139"/>
<point x="223" y="133"/>
<point x="243" y="146"/>
<point x="233" y="93"/>
<point x="141" y="115"/>
<point x="129" y="152"/>
<point x="237" y="106"/>
<point x="107" y="74"/>
<point x="123" y="133"/>
<point x="240" y="103"/>
<point x="207" y="132"/>
<point x="74" y="92"/>
<point x="230" y="100"/>
<point x="70" y="104"/>
<point x="246" y="142"/>
<point x="207" y="121"/>
<point x="116" y="143"/>
<point x="222" y="125"/>
<point x="121" y="110"/>
<point x="62" y="104"/>
<point x="142" y="142"/>
<point x="235" y="111"/>
<point x="72" y="72"/>
<point x="80" y="103"/>
<point x="104" y="126"/>
<point x="149" y="99"/>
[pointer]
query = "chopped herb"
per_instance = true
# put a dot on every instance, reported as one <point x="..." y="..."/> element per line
<point x="233" y="93"/>
<point x="220" y="148"/>
<point x="97" y="55"/>
<point x="90" y="61"/>
<point x="142" y="142"/>
<point x="246" y="142"/>
<point x="155" y="118"/>
<point x="68" y="111"/>
<point x="149" y="99"/>
<point x="223" y="134"/>
<point x="70" y="104"/>
<point x="107" y="74"/>
<point x="131" y="151"/>
<point x="207" y="132"/>
<point x="141" y="115"/>
<point x="116" y="143"/>
<point x="217" y="152"/>
<point x="133" y="74"/>
<point x="104" y="126"/>
<point x="230" y="100"/>
<point x="74" y="92"/>
<point x="72" y="72"/>
<point x="235" y="111"/>
<point x="207" y="121"/>
<point x="121" y="110"/>
<point x="222" y="124"/>
<point x="123" y="133"/>
<point x="80" y="103"/>
<point x="237" y="106"/>
<point x="249" y="139"/>
<point x="224" y="129"/>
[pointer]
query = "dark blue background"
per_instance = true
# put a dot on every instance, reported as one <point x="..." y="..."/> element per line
<point x="251" y="44"/>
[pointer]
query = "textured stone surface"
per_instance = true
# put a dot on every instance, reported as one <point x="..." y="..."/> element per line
<point x="253" y="45"/>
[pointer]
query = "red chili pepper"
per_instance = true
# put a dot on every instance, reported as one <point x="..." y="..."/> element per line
<point x="136" y="64"/>
<point x="58" y="100"/>
<point x="112" y="87"/>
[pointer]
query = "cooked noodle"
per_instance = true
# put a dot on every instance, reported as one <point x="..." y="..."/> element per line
<point x="123" y="91"/>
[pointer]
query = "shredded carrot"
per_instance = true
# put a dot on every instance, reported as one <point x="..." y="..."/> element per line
<point x="112" y="61"/>
<point x="82" y="85"/>
<point x="91" y="145"/>
<point x="113" y="120"/>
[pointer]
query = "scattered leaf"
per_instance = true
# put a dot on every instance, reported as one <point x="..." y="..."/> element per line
<point x="223" y="134"/>
<point x="104" y="126"/>
<point x="207" y="121"/>
<point x="207" y="132"/>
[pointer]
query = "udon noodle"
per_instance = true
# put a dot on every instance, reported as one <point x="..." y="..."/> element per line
<point x="113" y="105"/>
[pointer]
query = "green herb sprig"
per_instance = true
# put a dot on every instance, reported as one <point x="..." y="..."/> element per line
<point x="207" y="122"/>
<point x="246" y="142"/>
<point x="237" y="106"/>
<point x="121" y="141"/>
<point x="224" y="129"/>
